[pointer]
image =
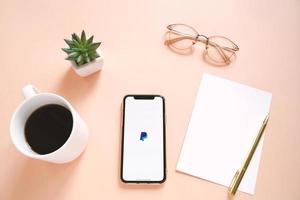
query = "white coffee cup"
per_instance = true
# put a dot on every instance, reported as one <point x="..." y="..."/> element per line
<point x="70" y="150"/>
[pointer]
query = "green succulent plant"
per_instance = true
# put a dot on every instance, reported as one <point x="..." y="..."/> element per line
<point x="81" y="50"/>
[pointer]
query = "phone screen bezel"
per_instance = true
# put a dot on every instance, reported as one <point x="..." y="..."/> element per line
<point x="146" y="97"/>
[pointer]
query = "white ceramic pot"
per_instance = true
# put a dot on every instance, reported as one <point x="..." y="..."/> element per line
<point x="89" y="68"/>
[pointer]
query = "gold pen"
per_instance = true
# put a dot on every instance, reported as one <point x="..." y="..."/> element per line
<point x="240" y="173"/>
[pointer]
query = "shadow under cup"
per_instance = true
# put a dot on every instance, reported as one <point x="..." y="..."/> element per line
<point x="73" y="146"/>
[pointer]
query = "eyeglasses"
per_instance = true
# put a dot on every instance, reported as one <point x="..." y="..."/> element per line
<point x="219" y="50"/>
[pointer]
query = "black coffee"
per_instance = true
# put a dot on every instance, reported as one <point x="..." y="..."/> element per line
<point x="48" y="128"/>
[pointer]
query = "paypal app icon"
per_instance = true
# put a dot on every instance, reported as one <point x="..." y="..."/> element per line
<point x="143" y="136"/>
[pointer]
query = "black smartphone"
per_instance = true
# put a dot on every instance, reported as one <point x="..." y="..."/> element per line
<point x="143" y="156"/>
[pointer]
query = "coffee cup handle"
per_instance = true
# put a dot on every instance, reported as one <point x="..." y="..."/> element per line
<point x="29" y="91"/>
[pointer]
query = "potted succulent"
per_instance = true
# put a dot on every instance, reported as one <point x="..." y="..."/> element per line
<point x="83" y="55"/>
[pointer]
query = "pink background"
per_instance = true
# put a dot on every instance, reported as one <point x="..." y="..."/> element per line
<point x="136" y="61"/>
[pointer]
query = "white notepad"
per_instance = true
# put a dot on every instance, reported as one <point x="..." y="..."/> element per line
<point x="225" y="121"/>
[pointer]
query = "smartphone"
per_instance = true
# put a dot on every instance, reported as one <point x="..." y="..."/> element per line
<point x="143" y="151"/>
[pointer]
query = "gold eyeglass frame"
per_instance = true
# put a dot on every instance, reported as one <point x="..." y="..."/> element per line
<point x="205" y="40"/>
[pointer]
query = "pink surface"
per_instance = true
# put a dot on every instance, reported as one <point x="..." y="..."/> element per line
<point x="136" y="61"/>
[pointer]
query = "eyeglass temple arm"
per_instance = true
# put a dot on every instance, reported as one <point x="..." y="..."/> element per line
<point x="234" y="49"/>
<point x="220" y="51"/>
<point x="172" y="41"/>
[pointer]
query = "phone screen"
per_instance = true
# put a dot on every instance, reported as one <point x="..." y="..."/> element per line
<point x="143" y="142"/>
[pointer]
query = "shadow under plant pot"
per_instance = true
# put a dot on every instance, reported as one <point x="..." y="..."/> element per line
<point x="88" y="68"/>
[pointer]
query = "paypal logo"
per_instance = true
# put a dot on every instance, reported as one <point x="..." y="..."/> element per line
<point x="143" y="136"/>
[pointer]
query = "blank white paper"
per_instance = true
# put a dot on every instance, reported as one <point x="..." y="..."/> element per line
<point x="225" y="121"/>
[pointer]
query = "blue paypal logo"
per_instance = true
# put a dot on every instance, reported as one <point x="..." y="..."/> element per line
<point x="143" y="136"/>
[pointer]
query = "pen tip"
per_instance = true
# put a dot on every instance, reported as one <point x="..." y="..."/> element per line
<point x="267" y="118"/>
